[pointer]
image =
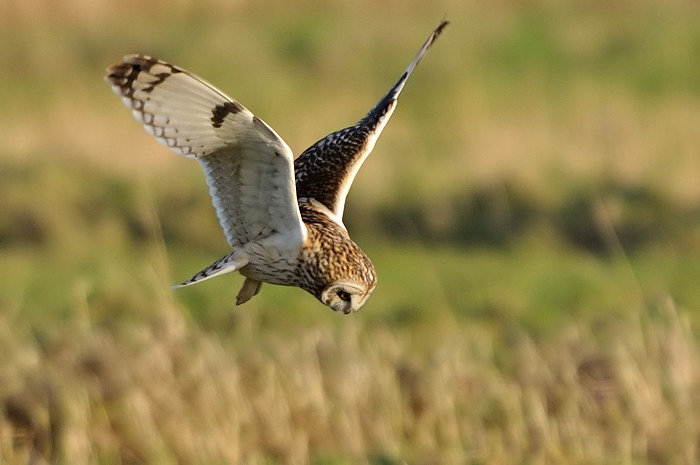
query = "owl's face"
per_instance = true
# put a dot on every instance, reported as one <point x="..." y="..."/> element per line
<point x="346" y="297"/>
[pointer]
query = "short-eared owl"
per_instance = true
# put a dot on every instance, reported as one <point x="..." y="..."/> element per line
<point x="282" y="217"/>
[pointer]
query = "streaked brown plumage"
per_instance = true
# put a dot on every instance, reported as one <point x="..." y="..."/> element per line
<point x="282" y="218"/>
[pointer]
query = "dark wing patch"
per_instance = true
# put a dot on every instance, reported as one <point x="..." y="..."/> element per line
<point x="127" y="73"/>
<point x="221" y="111"/>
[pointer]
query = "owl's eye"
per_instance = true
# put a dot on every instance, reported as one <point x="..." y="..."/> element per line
<point x="344" y="296"/>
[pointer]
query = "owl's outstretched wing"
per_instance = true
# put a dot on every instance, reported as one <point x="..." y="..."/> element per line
<point x="325" y="171"/>
<point x="248" y="167"/>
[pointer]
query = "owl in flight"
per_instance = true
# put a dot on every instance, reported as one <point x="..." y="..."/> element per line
<point x="282" y="217"/>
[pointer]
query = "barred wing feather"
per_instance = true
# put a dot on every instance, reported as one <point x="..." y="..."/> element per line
<point x="249" y="168"/>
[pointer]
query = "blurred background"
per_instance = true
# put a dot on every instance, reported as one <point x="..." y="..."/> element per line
<point x="532" y="209"/>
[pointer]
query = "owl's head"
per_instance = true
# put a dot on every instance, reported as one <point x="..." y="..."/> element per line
<point x="334" y="269"/>
<point x="346" y="297"/>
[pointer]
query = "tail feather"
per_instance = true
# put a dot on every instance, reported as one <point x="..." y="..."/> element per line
<point x="224" y="265"/>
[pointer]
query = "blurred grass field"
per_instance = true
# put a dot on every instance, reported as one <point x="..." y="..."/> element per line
<point x="532" y="209"/>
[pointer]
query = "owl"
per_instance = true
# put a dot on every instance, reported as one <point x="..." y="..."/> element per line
<point x="283" y="218"/>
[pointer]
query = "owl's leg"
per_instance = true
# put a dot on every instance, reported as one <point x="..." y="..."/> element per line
<point x="250" y="288"/>
<point x="224" y="265"/>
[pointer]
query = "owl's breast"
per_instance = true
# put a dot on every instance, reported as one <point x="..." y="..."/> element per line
<point x="269" y="266"/>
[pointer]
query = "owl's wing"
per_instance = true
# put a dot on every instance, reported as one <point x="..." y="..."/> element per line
<point x="248" y="167"/>
<point x="325" y="170"/>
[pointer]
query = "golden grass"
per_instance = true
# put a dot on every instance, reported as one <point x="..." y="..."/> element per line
<point x="165" y="392"/>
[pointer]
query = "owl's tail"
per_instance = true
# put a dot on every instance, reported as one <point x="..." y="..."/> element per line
<point x="223" y="265"/>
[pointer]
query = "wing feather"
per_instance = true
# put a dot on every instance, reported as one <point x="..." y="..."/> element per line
<point x="325" y="171"/>
<point x="248" y="167"/>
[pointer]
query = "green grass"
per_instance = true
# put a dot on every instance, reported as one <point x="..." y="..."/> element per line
<point x="531" y="210"/>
